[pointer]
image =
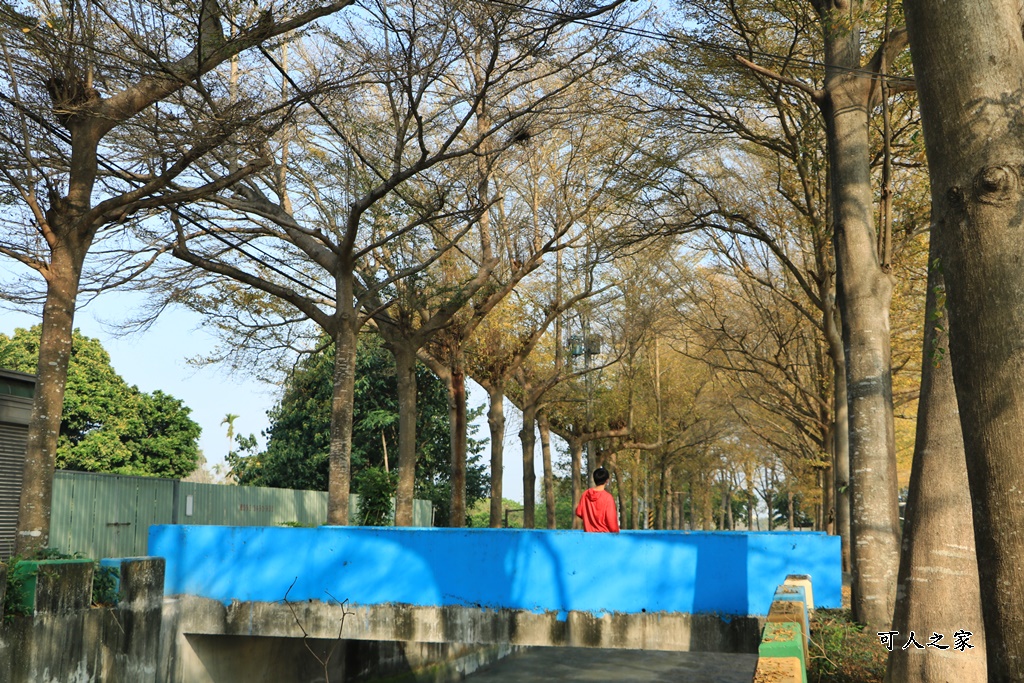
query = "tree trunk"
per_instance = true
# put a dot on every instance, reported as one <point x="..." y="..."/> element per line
<point x="457" y="413"/>
<point x="496" y="425"/>
<point x="789" y="509"/>
<point x="578" y="485"/>
<point x="342" y="403"/>
<point x="938" y="579"/>
<point x="864" y="292"/>
<point x="663" y="495"/>
<point x="48" y="403"/>
<point x="748" y="474"/>
<point x="635" y="522"/>
<point x="721" y="512"/>
<point x="728" y="508"/>
<point x="405" y="369"/>
<point x="549" y="474"/>
<point x="708" y="521"/>
<point x="841" y="434"/>
<point x="969" y="61"/>
<point x="528" y="438"/>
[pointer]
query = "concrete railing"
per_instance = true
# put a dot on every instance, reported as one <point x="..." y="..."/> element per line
<point x="782" y="653"/>
<point x="57" y="635"/>
<point x="641" y="572"/>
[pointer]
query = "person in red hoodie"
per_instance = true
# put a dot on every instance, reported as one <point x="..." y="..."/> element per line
<point x="597" y="507"/>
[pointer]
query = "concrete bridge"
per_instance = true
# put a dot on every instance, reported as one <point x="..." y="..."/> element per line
<point x="252" y="599"/>
<point x="349" y="604"/>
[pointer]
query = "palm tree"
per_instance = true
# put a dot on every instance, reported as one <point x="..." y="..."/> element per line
<point x="229" y="420"/>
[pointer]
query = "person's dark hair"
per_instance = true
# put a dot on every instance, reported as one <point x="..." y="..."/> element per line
<point x="600" y="476"/>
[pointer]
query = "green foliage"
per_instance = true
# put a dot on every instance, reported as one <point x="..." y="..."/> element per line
<point x="376" y="488"/>
<point x="780" y="509"/>
<point x="480" y="513"/>
<point x="842" y="652"/>
<point x="298" y="440"/>
<point x="105" y="581"/>
<point x="15" y="586"/>
<point x="108" y="425"/>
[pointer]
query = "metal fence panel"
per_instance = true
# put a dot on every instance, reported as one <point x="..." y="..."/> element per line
<point x="107" y="515"/>
<point x="249" y="505"/>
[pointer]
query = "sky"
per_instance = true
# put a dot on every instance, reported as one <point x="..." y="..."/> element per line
<point x="158" y="359"/>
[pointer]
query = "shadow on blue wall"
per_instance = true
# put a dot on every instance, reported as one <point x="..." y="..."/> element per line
<point x="726" y="573"/>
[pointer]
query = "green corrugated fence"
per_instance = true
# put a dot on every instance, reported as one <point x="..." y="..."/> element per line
<point x="109" y="515"/>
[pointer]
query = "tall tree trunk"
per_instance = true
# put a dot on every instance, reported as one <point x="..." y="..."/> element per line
<point x="728" y="508"/>
<point x="969" y="64"/>
<point x="634" y="508"/>
<point x="48" y="403"/>
<point x="528" y="438"/>
<point x="549" y="474"/>
<point x="748" y="474"/>
<point x="708" y="521"/>
<point x="496" y="425"/>
<point x="841" y="433"/>
<point x="459" y="426"/>
<point x="938" y="579"/>
<point x="342" y="403"/>
<point x="865" y="291"/>
<point x="405" y="369"/>
<point x="789" y="508"/>
<point x="578" y="485"/>
<point x="664" y="513"/>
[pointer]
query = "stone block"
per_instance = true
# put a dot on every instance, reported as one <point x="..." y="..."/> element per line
<point x="805" y="581"/>
<point x="783" y="611"/>
<point x="53" y="586"/>
<point x="779" y="670"/>
<point x="140" y="580"/>
<point x="782" y="639"/>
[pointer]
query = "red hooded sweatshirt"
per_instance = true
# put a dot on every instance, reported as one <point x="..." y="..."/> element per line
<point x="597" y="510"/>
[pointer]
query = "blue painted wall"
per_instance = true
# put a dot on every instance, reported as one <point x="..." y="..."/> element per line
<point x="539" y="571"/>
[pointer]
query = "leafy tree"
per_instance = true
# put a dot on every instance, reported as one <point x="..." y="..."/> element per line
<point x="299" y="435"/>
<point x="787" y="506"/>
<point x="376" y="487"/>
<point x="107" y="424"/>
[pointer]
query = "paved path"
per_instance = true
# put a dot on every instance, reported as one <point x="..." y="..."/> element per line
<point x="617" y="666"/>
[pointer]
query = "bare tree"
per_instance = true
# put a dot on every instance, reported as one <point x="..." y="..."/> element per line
<point x="80" y="82"/>
<point x="389" y="162"/>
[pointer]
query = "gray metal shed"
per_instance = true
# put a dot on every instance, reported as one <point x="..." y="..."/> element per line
<point x="16" y="391"/>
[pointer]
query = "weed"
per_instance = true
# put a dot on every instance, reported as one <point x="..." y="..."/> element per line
<point x="841" y="652"/>
<point x="15" y="585"/>
<point x="104" y="581"/>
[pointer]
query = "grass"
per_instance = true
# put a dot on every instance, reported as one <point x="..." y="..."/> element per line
<point x="842" y="651"/>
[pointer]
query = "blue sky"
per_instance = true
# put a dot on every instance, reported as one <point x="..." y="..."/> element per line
<point x="158" y="359"/>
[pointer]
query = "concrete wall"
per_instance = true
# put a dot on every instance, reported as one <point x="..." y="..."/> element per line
<point x="65" y="639"/>
<point x="723" y="573"/>
<point x="146" y="639"/>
